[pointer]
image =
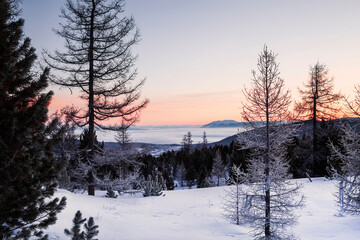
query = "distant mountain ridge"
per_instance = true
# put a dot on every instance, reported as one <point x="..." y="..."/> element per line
<point x="223" y="123"/>
<point x="305" y="126"/>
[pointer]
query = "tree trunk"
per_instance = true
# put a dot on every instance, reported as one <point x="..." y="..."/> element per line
<point x="267" y="162"/>
<point x="91" y="183"/>
<point x="91" y="179"/>
<point x="314" y="149"/>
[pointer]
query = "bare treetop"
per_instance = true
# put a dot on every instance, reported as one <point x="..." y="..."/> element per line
<point x="318" y="100"/>
<point x="98" y="61"/>
<point x="267" y="96"/>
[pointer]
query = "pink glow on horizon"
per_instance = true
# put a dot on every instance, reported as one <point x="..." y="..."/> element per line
<point x="194" y="109"/>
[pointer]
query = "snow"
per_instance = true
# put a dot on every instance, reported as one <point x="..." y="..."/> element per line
<point x="197" y="214"/>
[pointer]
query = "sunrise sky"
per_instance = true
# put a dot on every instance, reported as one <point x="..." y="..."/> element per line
<point x="197" y="55"/>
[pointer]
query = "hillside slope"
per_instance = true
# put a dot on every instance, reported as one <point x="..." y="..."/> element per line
<point x="197" y="214"/>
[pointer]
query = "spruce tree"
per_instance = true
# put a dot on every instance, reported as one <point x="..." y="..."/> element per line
<point x="91" y="229"/>
<point x="28" y="168"/>
<point x="75" y="233"/>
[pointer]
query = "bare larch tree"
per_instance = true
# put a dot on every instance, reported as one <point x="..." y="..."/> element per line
<point x="318" y="101"/>
<point x="353" y="106"/>
<point x="98" y="62"/>
<point x="267" y="190"/>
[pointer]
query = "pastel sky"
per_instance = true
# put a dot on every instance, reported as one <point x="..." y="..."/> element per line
<point x="197" y="55"/>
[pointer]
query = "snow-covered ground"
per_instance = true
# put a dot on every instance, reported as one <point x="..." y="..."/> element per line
<point x="196" y="214"/>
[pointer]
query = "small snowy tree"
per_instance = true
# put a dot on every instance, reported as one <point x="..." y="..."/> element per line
<point x="75" y="233"/>
<point x="91" y="230"/>
<point x="154" y="184"/>
<point x="218" y="168"/>
<point x="347" y="156"/>
<point x="110" y="193"/>
<point x="232" y="200"/>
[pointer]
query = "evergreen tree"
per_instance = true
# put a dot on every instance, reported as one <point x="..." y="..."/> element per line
<point x="91" y="230"/>
<point x="154" y="184"/>
<point x="205" y="141"/>
<point x="187" y="142"/>
<point x="28" y="167"/>
<point x="75" y="233"/>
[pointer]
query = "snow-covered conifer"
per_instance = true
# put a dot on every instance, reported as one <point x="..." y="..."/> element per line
<point x="75" y="233"/>
<point x="91" y="230"/>
<point x="154" y="184"/>
<point x="347" y="156"/>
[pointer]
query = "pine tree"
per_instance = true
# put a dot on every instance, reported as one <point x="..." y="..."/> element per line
<point x="75" y="233"/>
<point x="91" y="230"/>
<point x="28" y="167"/>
